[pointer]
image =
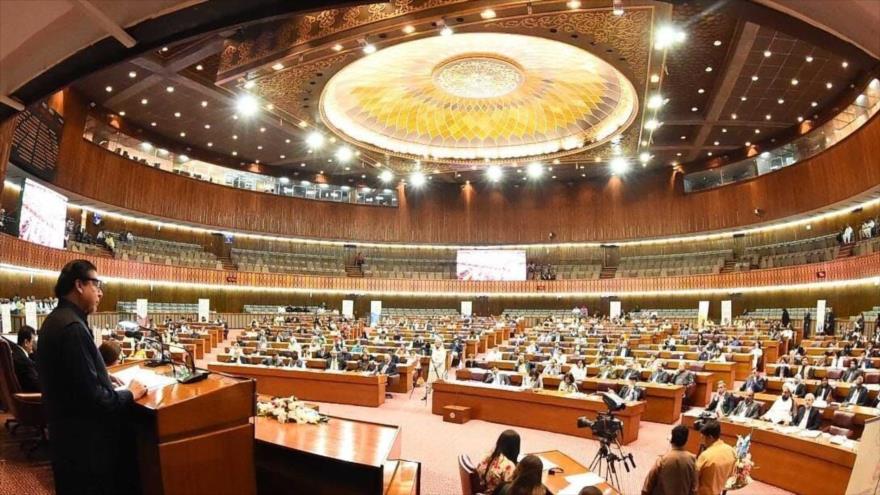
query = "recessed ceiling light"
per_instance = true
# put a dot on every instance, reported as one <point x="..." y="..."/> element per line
<point x="235" y="116"/>
<point x="177" y="114"/>
<point x="153" y="124"/>
<point x="780" y="101"/>
<point x="278" y="66"/>
<point x="234" y="137"/>
<point x="122" y="113"/>
<point x="757" y="131"/>
<point x="829" y="85"/>
<point x="800" y="119"/>
<point x="369" y="48"/>
<point x="132" y="74"/>
<point x="716" y="143"/>
<point x="814" y="104"/>
<point x="199" y="67"/>
<point x="249" y="84"/>
<point x="767" y="53"/>
<point x="655" y="78"/>
<point x="619" y="166"/>
<point x="282" y="157"/>
<point x="182" y="134"/>
<point x="754" y="78"/>
<point x="644" y="157"/>
<point x="708" y="69"/>
<point x="573" y="4"/>
<point x="247" y="105"/>
<point x="809" y="58"/>
<point x="234" y="153"/>
<point x="655" y="101"/>
<point x="701" y="91"/>
<point x="204" y="103"/>
<point x="270" y="106"/>
<point x="683" y="138"/>
<point x="845" y="64"/>
<point x="210" y="144"/>
<point x="337" y="47"/>
<point x="409" y="29"/>
<point x="743" y="98"/>
<point x="109" y="89"/>
<point x="733" y="116"/>
<point x="768" y="117"/>
<point x="709" y="154"/>
<point x="694" y="109"/>
<point x="667" y="37"/>
<point x="262" y="129"/>
<point x="303" y="124"/>
<point x="259" y="147"/>
<point x="794" y="82"/>
<point x="207" y="126"/>
<point x="717" y="43"/>
<point x="748" y="143"/>
<point x="652" y="124"/>
<point x="164" y="49"/>
<point x="724" y="129"/>
<point x="169" y="89"/>
<point x="144" y="101"/>
<point x="487" y="14"/>
<point x="302" y="164"/>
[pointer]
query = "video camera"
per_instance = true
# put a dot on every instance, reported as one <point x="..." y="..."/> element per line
<point x="605" y="426"/>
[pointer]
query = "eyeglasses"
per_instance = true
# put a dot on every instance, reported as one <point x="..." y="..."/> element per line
<point x="99" y="284"/>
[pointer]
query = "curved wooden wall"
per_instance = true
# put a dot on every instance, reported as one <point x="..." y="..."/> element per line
<point x="23" y="254"/>
<point x="640" y="206"/>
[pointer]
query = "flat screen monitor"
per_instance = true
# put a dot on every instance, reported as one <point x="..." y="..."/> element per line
<point x="43" y="214"/>
<point x="491" y="264"/>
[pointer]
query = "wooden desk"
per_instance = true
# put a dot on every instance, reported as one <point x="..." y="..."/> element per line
<point x="556" y="482"/>
<point x="542" y="410"/>
<point x="662" y="401"/>
<point x="340" y="457"/>
<point x="322" y="386"/>
<point x="802" y="465"/>
<point x="196" y="438"/>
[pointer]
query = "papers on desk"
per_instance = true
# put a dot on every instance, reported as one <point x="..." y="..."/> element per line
<point x="810" y="433"/>
<point x="149" y="378"/>
<point x="546" y="463"/>
<point x="577" y="482"/>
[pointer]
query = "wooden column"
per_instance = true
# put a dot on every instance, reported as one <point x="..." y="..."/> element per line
<point x="6" y="129"/>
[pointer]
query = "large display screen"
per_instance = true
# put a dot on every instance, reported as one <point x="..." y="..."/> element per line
<point x="43" y="213"/>
<point x="491" y="264"/>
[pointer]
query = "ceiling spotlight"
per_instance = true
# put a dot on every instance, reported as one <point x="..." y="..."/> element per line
<point x="733" y="116"/>
<point x="767" y="53"/>
<point x="235" y="137"/>
<point x="369" y="48"/>
<point x="617" y="8"/>
<point x="828" y="85"/>
<point x="262" y="129"/>
<point x="694" y="109"/>
<point x="668" y="36"/>
<point x="417" y="179"/>
<point x="534" y="170"/>
<point x="169" y="89"/>
<point x="724" y="130"/>
<point x="446" y="31"/>
<point x="144" y="101"/>
<point x="814" y="104"/>
<point x="278" y="66"/>
<point x="182" y="134"/>
<point x="210" y="144"/>
<point x="845" y="64"/>
<point x="409" y="29"/>
<point x="809" y="58"/>
<point x="644" y="157"/>
<point x="743" y="98"/>
<point x="754" y="78"/>
<point x="652" y="124"/>
<point x="337" y="47"/>
<point x="701" y="91"/>
<point x="655" y="101"/>
<point x="132" y="74"/>
<point x="748" y="143"/>
<point x="708" y="69"/>
<point x="259" y="147"/>
<point x="780" y="101"/>
<point x="177" y="115"/>
<point x="287" y="141"/>
<point x="573" y="4"/>
<point x="199" y="67"/>
<point x="800" y="119"/>
<point x="655" y="78"/>
<point x="234" y="153"/>
<point x="164" y="49"/>
<point x="249" y="84"/>
<point x="757" y="131"/>
<point x="315" y="140"/>
<point x="303" y="124"/>
<point x="717" y="43"/>
<point x="109" y="89"/>
<point x="247" y="105"/>
<point x="487" y="14"/>
<point x="122" y="113"/>
<point x="207" y="126"/>
<point x="619" y="166"/>
<point x="204" y="104"/>
<point x="494" y="173"/>
<point x="344" y="154"/>
<point x="153" y="124"/>
<point x="184" y="158"/>
<point x="794" y="82"/>
<point x="386" y="176"/>
<point x="768" y="117"/>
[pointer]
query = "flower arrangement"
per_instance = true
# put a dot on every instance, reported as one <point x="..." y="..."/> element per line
<point x="290" y="410"/>
<point x="744" y="465"/>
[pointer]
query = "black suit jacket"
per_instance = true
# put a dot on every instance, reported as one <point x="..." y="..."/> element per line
<point x="824" y="392"/>
<point x="814" y="421"/>
<point x="660" y="376"/>
<point x="625" y="390"/>
<point x="850" y="375"/>
<point x="863" y="399"/>
<point x="634" y="375"/>
<point x="756" y="385"/>
<point x="25" y="370"/>
<point x="752" y="410"/>
<point x="727" y="406"/>
<point x="92" y="452"/>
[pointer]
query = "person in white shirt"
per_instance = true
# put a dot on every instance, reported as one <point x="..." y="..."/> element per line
<point x="756" y="354"/>
<point x="438" y="362"/>
<point x="782" y="409"/>
<point x="533" y="381"/>
<point x="807" y="416"/>
<point x="847" y="234"/>
<point x="579" y="370"/>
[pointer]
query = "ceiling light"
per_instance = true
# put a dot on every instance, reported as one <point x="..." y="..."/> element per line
<point x="767" y="53"/>
<point x="262" y="129"/>
<point x="417" y="179"/>
<point x="652" y="124"/>
<point x="210" y="144"/>
<point x="845" y="64"/>
<point x="204" y="103"/>
<point x="163" y="151"/>
<point x="573" y="4"/>
<point x="809" y="58"/>
<point x="169" y="89"/>
<point x="247" y="105"/>
<point x="386" y="176"/>
<point x="260" y="146"/>
<point x="743" y="98"/>
<point x="814" y="104"/>
<point x="153" y="124"/>
<point x="828" y="85"/>
<point x="534" y="170"/>
<point x="446" y="31"/>
<point x="748" y="143"/>
<point x="235" y="137"/>
<point x="694" y="109"/>
<point x="724" y="130"/>
<point x="315" y="140"/>
<point x="655" y="78"/>
<point x="368" y="48"/>
<point x="708" y="69"/>
<point x="617" y="8"/>
<point x="337" y="47"/>
<point x="144" y="101"/>
<point x="619" y="166"/>
<point x="409" y="29"/>
<point x="249" y="84"/>
<point x="235" y="116"/>
<point x="182" y="134"/>
<point x="132" y="74"/>
<point x="183" y="158"/>
<point x="303" y="124"/>
<point x="487" y="14"/>
<point x="644" y="157"/>
<point x="780" y="101"/>
<point x="683" y="138"/>
<point x="717" y="43"/>
<point x="655" y="101"/>
<point x="701" y="91"/>
<point x="344" y="154"/>
<point x="794" y="82"/>
<point x="177" y="114"/>
<point x="709" y="153"/>
<point x="754" y="78"/>
<point x="733" y="116"/>
<point x="716" y="143"/>
<point x="302" y="164"/>
<point x="667" y="36"/>
<point x="757" y="131"/>
<point x="494" y="173"/>
<point x="278" y="66"/>
<point x="207" y="126"/>
<point x="146" y="146"/>
<point x="234" y="153"/>
<point x="199" y="67"/>
<point x="282" y="157"/>
<point x="164" y="49"/>
<point x="287" y="141"/>
<point x="109" y="89"/>
<point x="122" y="113"/>
<point x="800" y="119"/>
<point x="284" y="180"/>
<point x="768" y="117"/>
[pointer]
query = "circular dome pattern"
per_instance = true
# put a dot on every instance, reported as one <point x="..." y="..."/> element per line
<point x="479" y="96"/>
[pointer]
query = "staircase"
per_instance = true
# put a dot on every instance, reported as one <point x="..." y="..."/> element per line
<point x="228" y="264"/>
<point x="728" y="266"/>
<point x="608" y="272"/>
<point x="354" y="271"/>
<point x="845" y="250"/>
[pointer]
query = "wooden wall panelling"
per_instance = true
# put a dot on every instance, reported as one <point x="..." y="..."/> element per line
<point x="648" y="204"/>
<point x="7" y="127"/>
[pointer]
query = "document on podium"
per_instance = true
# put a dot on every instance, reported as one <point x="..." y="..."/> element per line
<point x="149" y="378"/>
<point x="576" y="482"/>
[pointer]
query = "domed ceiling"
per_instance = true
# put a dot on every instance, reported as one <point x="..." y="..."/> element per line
<point x="479" y="96"/>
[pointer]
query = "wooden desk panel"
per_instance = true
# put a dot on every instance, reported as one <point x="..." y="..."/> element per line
<point x="801" y="465"/>
<point x="542" y="410"/>
<point x="322" y="386"/>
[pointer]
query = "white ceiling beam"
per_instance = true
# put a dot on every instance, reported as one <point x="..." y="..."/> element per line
<point x="105" y="22"/>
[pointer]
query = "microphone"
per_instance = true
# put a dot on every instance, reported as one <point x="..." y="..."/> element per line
<point x="193" y="374"/>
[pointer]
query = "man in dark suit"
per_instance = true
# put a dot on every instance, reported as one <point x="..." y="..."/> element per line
<point x="631" y="373"/>
<point x="337" y="361"/>
<point x="858" y="394"/>
<point x="624" y="351"/>
<point x="25" y="367"/>
<point x="385" y="366"/>
<point x="748" y="407"/>
<point x="723" y="402"/>
<point x="754" y="383"/>
<point x="851" y="373"/>
<point x="630" y="392"/>
<point x="659" y="375"/>
<point x="807" y="416"/>
<point x="90" y="449"/>
<point x="683" y="376"/>
<point x="824" y="392"/>
<point x="808" y="320"/>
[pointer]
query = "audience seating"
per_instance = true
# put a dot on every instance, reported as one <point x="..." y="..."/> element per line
<point x="131" y="307"/>
<point x="867" y="246"/>
<point x="263" y="308"/>
<point x="667" y="314"/>
<point x="470" y="479"/>
<point x="775" y="314"/>
<point x="300" y="262"/>
<point x="673" y="264"/>
<point x="841" y="424"/>
<point x="26" y="408"/>
<point x="149" y="250"/>
<point x="416" y="312"/>
<point x="792" y="253"/>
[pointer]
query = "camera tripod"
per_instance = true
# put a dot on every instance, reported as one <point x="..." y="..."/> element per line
<point x="606" y="459"/>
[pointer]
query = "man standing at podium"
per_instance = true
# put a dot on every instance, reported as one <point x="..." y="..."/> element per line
<point x="85" y="413"/>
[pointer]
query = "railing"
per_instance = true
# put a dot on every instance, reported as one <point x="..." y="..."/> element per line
<point x="17" y="253"/>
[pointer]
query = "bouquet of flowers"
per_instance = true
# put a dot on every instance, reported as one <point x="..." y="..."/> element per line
<point x="744" y="465"/>
<point x="290" y="410"/>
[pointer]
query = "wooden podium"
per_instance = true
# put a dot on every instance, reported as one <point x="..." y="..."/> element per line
<point x="197" y="438"/>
